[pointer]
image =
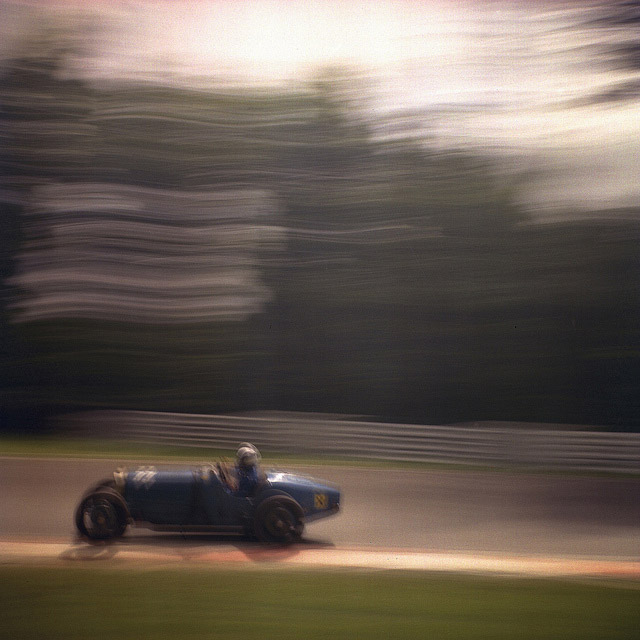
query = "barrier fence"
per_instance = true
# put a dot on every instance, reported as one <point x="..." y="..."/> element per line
<point x="565" y="449"/>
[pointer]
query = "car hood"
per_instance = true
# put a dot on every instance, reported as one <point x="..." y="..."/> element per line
<point x="284" y="480"/>
<point x="317" y="498"/>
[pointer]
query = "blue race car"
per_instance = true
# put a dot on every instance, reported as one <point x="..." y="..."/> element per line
<point x="202" y="499"/>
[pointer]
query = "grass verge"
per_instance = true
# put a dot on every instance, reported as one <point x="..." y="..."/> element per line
<point x="158" y="603"/>
<point x="108" y="449"/>
<point x="56" y="446"/>
<point x="51" y="447"/>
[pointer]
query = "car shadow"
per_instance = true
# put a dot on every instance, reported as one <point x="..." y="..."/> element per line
<point x="172" y="547"/>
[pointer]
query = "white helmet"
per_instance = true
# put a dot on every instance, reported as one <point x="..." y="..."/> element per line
<point x="248" y="455"/>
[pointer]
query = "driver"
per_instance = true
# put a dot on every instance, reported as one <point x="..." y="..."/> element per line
<point x="247" y="459"/>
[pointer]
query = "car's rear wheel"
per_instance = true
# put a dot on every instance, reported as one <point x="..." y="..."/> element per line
<point x="278" y="519"/>
<point x="102" y="515"/>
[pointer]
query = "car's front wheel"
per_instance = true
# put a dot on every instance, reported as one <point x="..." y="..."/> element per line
<point x="278" y="519"/>
<point x="102" y="515"/>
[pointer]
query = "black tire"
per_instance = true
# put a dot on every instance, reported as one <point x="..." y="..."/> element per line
<point x="278" y="519"/>
<point x="102" y="515"/>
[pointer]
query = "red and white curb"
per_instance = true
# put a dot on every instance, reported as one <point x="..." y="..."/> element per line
<point x="14" y="552"/>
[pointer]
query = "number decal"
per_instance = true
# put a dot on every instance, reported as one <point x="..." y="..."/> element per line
<point x="144" y="476"/>
<point x="320" y="501"/>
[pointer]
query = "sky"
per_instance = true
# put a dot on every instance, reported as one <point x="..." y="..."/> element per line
<point x="510" y="77"/>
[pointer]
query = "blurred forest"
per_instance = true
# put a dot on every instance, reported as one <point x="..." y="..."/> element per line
<point x="230" y="249"/>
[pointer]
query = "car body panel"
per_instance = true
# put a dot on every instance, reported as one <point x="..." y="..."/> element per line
<point x="159" y="497"/>
<point x="203" y="498"/>
<point x="318" y="498"/>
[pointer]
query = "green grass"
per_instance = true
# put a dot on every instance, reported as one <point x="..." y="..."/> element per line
<point x="109" y="449"/>
<point x="122" y="603"/>
<point x="52" y="446"/>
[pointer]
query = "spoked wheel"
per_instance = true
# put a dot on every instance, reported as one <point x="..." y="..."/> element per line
<point x="278" y="519"/>
<point x="102" y="515"/>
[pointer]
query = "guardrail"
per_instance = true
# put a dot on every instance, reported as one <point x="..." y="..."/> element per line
<point x="335" y="436"/>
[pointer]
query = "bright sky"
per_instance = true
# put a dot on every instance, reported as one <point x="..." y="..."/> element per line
<point x="506" y="67"/>
<point x="283" y="38"/>
<point x="434" y="50"/>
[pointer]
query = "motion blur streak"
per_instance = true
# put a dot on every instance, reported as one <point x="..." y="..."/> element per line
<point x="119" y="252"/>
<point x="424" y="212"/>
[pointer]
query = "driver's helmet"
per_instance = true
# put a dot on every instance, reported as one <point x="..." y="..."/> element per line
<point x="248" y="455"/>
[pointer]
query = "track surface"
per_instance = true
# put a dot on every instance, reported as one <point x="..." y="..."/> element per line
<point x="490" y="515"/>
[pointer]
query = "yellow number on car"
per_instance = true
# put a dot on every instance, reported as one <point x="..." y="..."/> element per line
<point x="320" y="500"/>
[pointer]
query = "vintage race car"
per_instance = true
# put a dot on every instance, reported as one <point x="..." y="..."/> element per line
<point x="204" y="498"/>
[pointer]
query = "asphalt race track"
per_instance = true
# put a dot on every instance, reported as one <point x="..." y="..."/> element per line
<point x="439" y="511"/>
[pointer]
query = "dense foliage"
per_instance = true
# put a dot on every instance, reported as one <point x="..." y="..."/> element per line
<point x="404" y="282"/>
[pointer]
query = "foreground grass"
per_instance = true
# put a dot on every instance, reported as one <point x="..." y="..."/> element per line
<point x="124" y="603"/>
